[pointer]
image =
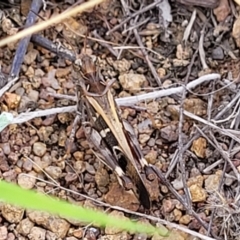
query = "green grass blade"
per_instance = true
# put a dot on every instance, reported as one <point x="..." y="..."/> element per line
<point x="13" y="194"/>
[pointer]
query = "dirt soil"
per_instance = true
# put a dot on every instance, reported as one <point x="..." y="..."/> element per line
<point x="183" y="61"/>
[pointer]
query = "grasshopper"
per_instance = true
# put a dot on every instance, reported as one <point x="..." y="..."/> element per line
<point x="113" y="137"/>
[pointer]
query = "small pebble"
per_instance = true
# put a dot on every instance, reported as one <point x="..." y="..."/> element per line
<point x="39" y="148"/>
<point x="30" y="56"/>
<point x="26" y="181"/>
<point x="62" y="72"/>
<point x="143" y="138"/>
<point x="27" y="165"/>
<point x="185" y="220"/>
<point x="132" y="82"/>
<point x="151" y="142"/>
<point x="78" y="156"/>
<point x="217" y="53"/>
<point x="11" y="236"/>
<point x="90" y="168"/>
<point x="167" y="205"/>
<point x="212" y="181"/>
<point x="70" y="177"/>
<point x="54" y="172"/>
<point x="12" y="213"/>
<point x="3" y="233"/>
<point x="198" y="193"/>
<point x="25" y="226"/>
<point x="79" y="166"/>
<point x="33" y="95"/>
<point x="37" y="233"/>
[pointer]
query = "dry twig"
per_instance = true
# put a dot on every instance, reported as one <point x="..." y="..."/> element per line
<point x="180" y="140"/>
<point x="23" y="44"/>
<point x="144" y="9"/>
<point x="45" y="24"/>
<point x="166" y="92"/>
<point x="139" y="41"/>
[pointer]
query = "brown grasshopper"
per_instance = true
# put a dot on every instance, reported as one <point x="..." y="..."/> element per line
<point x="113" y="137"/>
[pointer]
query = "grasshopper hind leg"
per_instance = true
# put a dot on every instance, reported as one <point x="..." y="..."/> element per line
<point x="141" y="190"/>
<point x="130" y="171"/>
<point x="143" y="195"/>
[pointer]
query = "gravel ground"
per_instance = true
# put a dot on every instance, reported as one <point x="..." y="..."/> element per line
<point x="183" y="61"/>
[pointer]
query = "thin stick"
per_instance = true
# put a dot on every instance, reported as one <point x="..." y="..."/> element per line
<point x="7" y="86"/>
<point x="201" y="50"/>
<point x="61" y="51"/>
<point x="128" y="101"/>
<point x="227" y="132"/>
<point x="105" y="44"/>
<point x="180" y="138"/>
<point x="27" y="116"/>
<point x="145" y="54"/>
<point x="189" y="27"/>
<point x="120" y="101"/>
<point x="54" y="20"/>
<point x="148" y="7"/>
<point x="166" y="92"/>
<point x="23" y="44"/>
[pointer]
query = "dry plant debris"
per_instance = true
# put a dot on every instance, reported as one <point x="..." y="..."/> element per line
<point x="176" y="65"/>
